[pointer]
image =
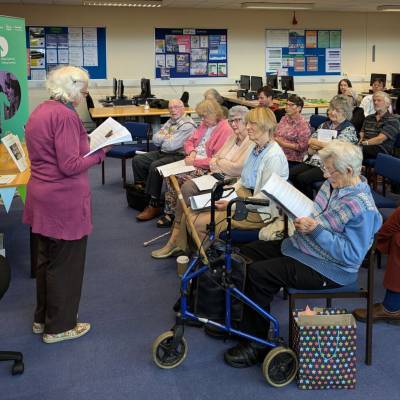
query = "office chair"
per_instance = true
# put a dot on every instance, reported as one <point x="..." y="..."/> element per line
<point x="140" y="132"/>
<point x="17" y="357"/>
<point x="350" y="291"/>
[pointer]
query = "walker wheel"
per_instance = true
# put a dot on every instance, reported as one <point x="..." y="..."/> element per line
<point x="166" y="354"/>
<point x="17" y="368"/>
<point x="280" y="366"/>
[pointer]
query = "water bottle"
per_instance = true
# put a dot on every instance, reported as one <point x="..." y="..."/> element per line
<point x="146" y="106"/>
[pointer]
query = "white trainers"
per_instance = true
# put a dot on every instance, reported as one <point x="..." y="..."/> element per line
<point x="80" y="329"/>
<point x="37" y="327"/>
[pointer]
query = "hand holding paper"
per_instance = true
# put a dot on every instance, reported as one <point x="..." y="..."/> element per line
<point x="108" y="133"/>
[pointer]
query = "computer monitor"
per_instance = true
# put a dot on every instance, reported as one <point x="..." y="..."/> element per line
<point x="272" y="81"/>
<point x="287" y="83"/>
<point x="245" y="82"/>
<point x="396" y="81"/>
<point x="114" y="88"/>
<point x="120" y="89"/>
<point x="145" y="88"/>
<point x="381" y="77"/>
<point x="256" y="82"/>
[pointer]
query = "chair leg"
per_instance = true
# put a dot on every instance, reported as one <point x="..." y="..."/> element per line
<point x="292" y="302"/>
<point x="123" y="171"/>
<point x="328" y="302"/>
<point x="102" y="173"/>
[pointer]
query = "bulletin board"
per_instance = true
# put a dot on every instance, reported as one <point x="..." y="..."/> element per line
<point x="49" y="46"/>
<point x="191" y="53"/>
<point x="303" y="52"/>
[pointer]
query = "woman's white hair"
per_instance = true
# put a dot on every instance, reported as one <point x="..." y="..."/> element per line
<point x="65" y="83"/>
<point x="344" y="155"/>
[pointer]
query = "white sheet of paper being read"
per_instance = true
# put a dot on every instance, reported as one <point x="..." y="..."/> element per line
<point x="326" y="135"/>
<point x="175" y="168"/>
<point x="204" y="200"/>
<point x="4" y="179"/>
<point x="288" y="197"/>
<point x="108" y="133"/>
<point x="205" y="182"/>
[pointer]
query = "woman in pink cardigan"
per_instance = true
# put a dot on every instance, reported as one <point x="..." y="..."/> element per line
<point x="200" y="148"/>
<point x="58" y="204"/>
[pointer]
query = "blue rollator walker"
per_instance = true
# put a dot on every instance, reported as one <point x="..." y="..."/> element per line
<point x="170" y="348"/>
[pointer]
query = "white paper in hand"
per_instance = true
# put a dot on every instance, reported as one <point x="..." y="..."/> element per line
<point x="108" y="133"/>
<point x="295" y="203"/>
<point x="326" y="135"/>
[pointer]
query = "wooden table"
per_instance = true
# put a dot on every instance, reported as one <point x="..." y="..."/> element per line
<point x="130" y="111"/>
<point x="7" y="167"/>
<point x="254" y="103"/>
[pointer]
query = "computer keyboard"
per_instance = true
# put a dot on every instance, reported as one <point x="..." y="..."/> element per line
<point x="393" y="92"/>
<point x="123" y="102"/>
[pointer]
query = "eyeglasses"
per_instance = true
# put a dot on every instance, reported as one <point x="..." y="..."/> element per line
<point x="235" y="120"/>
<point x="175" y="107"/>
<point x="328" y="173"/>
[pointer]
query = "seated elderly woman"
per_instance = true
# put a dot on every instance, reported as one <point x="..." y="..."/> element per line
<point x="325" y="251"/>
<point x="305" y="174"/>
<point x="213" y="94"/>
<point x="205" y="142"/>
<point x="265" y="157"/>
<point x="228" y="162"/>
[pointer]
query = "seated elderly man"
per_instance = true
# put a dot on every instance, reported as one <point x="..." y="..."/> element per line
<point x="367" y="103"/>
<point x="379" y="129"/>
<point x="293" y="131"/>
<point x="325" y="251"/>
<point x="169" y="139"/>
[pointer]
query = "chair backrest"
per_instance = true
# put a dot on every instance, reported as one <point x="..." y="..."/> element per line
<point x="138" y="130"/>
<point x="316" y="120"/>
<point x="4" y="276"/>
<point x="388" y="167"/>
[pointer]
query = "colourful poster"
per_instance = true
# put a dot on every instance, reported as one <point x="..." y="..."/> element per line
<point x="335" y="39"/>
<point x="312" y="64"/>
<point x="296" y="42"/>
<point x="323" y="39"/>
<point x="311" y="39"/>
<point x="13" y="76"/>
<point x="183" y="42"/>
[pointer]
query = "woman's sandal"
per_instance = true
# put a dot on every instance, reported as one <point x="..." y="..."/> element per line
<point x="165" y="221"/>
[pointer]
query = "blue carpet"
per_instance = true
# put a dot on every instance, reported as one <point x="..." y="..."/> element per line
<point x="128" y="298"/>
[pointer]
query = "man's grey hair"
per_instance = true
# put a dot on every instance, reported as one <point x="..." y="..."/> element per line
<point x="342" y="104"/>
<point x="214" y="94"/>
<point x="238" y="111"/>
<point x="385" y="96"/>
<point x="344" y="155"/>
<point x="66" y="83"/>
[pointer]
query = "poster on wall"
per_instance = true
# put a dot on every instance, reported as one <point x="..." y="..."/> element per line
<point x="303" y="52"/>
<point x="49" y="46"/>
<point x="190" y="52"/>
<point x="13" y="81"/>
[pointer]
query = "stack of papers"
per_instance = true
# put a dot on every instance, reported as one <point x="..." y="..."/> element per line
<point x="205" y="182"/>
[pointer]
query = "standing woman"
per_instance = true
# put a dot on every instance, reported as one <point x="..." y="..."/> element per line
<point x="58" y="203"/>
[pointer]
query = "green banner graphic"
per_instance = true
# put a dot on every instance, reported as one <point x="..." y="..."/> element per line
<point x="14" y="107"/>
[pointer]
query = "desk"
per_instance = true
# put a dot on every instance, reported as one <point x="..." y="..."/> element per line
<point x="254" y="103"/>
<point x="130" y="111"/>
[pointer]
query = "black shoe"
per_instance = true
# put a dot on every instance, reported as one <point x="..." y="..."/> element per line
<point x="245" y="354"/>
<point x="216" y="333"/>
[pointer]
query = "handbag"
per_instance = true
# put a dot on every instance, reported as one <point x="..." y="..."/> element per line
<point x="136" y="197"/>
<point x="325" y="345"/>
<point x="209" y="294"/>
